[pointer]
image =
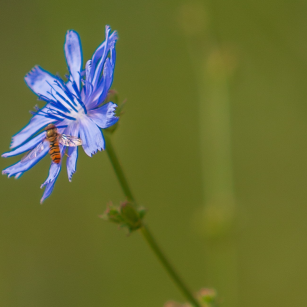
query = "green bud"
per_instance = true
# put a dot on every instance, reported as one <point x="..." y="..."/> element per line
<point x="115" y="217"/>
<point x="207" y="297"/>
<point x="131" y="216"/>
<point x="126" y="215"/>
<point x="111" y="214"/>
<point x="129" y="213"/>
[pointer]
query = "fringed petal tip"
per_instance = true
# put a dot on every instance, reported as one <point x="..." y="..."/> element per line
<point x="43" y="198"/>
<point x="71" y="169"/>
<point x="111" y="115"/>
<point x="70" y="178"/>
<point x="6" y="172"/>
<point x="18" y="175"/>
<point x="12" y="144"/>
<point x="108" y="29"/>
<point x="70" y="172"/>
<point x="73" y="36"/>
<point x="91" y="137"/>
<point x="90" y="154"/>
<point x="72" y="32"/>
<point x="53" y="174"/>
<point x="114" y="39"/>
<point x="96" y="151"/>
<point x="45" y="183"/>
<point x="104" y="116"/>
<point x="115" y="33"/>
<point x="48" y="189"/>
<point x="31" y="73"/>
<point x="71" y="161"/>
<point x="38" y="80"/>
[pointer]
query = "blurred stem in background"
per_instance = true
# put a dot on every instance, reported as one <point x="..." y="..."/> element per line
<point x="213" y="67"/>
<point x="134" y="221"/>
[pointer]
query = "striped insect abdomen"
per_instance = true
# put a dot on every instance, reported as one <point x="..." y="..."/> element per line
<point x="54" y="152"/>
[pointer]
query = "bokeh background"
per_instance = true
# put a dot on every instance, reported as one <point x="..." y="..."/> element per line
<point x="213" y="141"/>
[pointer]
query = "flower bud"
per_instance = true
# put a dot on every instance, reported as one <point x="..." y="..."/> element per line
<point x="111" y="214"/>
<point x="207" y="297"/>
<point x="130" y="215"/>
<point x="126" y="215"/>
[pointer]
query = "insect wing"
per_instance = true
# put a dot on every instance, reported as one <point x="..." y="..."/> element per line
<point x="34" y="152"/>
<point x="69" y="140"/>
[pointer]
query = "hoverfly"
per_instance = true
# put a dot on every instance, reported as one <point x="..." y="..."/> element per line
<point x="54" y="138"/>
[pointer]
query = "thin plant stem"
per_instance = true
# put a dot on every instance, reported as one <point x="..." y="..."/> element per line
<point x="144" y="229"/>
<point x="173" y="274"/>
<point x="118" y="168"/>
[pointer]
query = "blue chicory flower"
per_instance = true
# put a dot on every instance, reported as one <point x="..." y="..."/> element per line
<point x="75" y="107"/>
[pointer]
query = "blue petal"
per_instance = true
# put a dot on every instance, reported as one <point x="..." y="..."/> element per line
<point x="48" y="191"/>
<point x="20" y="167"/>
<point x="69" y="86"/>
<point x="62" y="94"/>
<point x="39" y="81"/>
<point x="71" y="161"/>
<point x="97" y="86"/>
<point x="107" y="81"/>
<point x="36" y="123"/>
<point x="73" y="54"/>
<point x="104" y="116"/>
<point x="50" y="88"/>
<point x="103" y="87"/>
<point x="88" y="85"/>
<point x="99" y="58"/>
<point x="53" y="173"/>
<point x="27" y="146"/>
<point x="91" y="136"/>
<point x="100" y="55"/>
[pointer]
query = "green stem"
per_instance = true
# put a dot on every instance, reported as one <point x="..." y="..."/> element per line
<point x="118" y="168"/>
<point x="173" y="274"/>
<point x="144" y="230"/>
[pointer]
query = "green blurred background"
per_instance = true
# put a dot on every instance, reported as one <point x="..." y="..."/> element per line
<point x="213" y="142"/>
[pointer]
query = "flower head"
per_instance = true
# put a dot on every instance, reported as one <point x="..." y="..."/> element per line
<point x="76" y="108"/>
